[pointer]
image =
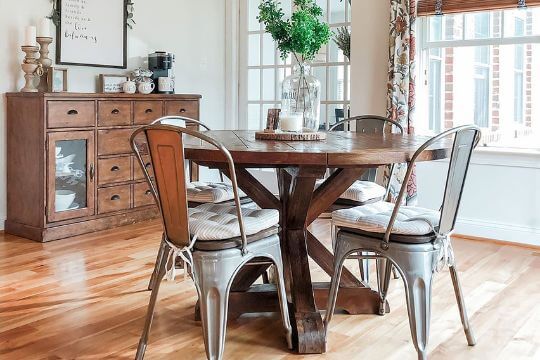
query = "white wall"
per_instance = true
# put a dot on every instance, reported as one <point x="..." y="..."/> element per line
<point x="193" y="30"/>
<point x="502" y="195"/>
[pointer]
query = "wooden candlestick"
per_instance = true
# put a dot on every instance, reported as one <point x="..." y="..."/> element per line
<point x="44" y="60"/>
<point x="31" y="67"/>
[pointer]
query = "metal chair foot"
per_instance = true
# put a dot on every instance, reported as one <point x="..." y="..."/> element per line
<point x="141" y="349"/>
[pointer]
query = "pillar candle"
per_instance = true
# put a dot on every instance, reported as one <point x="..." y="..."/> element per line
<point x="30" y="36"/>
<point x="291" y="122"/>
<point x="44" y="28"/>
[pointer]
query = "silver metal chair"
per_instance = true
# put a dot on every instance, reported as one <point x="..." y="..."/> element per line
<point x="417" y="243"/>
<point x="367" y="124"/>
<point x="216" y="253"/>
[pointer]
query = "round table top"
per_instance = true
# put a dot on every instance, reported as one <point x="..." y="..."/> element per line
<point x="340" y="149"/>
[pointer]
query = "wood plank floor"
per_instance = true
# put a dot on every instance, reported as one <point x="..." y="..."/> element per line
<point x="85" y="298"/>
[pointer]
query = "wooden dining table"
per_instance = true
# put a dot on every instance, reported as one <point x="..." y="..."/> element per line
<point x="298" y="165"/>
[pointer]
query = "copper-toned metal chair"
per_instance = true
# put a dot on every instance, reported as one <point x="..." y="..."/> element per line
<point x="215" y="240"/>
<point x="415" y="241"/>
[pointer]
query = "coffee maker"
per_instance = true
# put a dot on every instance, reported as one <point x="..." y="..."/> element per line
<point x="162" y="65"/>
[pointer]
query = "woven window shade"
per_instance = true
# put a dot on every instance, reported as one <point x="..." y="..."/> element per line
<point x="427" y="7"/>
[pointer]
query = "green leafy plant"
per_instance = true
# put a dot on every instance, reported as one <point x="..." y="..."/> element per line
<point x="303" y="34"/>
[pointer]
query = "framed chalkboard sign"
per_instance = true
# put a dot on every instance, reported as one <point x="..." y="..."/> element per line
<point x="92" y="33"/>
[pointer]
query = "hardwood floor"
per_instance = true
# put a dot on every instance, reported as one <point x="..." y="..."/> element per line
<point x="85" y="298"/>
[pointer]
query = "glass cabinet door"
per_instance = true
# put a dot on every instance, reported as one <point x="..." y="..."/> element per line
<point x="71" y="170"/>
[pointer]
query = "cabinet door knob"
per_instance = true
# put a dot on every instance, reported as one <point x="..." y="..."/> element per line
<point x="148" y="165"/>
<point x="115" y="112"/>
<point x="72" y="112"/>
<point x="115" y="197"/>
<point x="92" y="172"/>
<point x="115" y="168"/>
<point x="148" y="111"/>
<point x="182" y="111"/>
<point x="148" y="192"/>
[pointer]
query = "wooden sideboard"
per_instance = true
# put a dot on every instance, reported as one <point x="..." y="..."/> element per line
<point x="70" y="168"/>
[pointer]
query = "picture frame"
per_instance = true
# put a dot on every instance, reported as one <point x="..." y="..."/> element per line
<point x="112" y="83"/>
<point x="86" y="35"/>
<point x="57" y="80"/>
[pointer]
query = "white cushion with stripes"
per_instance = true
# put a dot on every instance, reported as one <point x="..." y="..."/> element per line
<point x="202" y="192"/>
<point x="375" y="218"/>
<point x="220" y="222"/>
<point x="362" y="191"/>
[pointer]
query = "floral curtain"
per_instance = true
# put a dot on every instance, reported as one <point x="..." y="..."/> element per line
<point x="402" y="82"/>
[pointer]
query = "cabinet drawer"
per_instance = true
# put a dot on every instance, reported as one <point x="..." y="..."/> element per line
<point x="114" y="170"/>
<point x="116" y="141"/>
<point x="185" y="108"/>
<point x="147" y="111"/>
<point x="137" y="171"/>
<point x="70" y="114"/>
<point x="111" y="113"/>
<point x="142" y="196"/>
<point x="114" y="198"/>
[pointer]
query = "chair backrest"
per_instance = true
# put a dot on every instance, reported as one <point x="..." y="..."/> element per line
<point x="181" y="121"/>
<point x="165" y="145"/>
<point x="466" y="139"/>
<point x="368" y="124"/>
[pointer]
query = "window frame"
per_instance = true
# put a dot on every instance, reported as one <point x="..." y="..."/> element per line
<point x="425" y="47"/>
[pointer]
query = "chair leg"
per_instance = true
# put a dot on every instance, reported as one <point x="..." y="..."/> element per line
<point x="417" y="270"/>
<point x="339" y="259"/>
<point x="151" y="305"/>
<point x="160" y="255"/>
<point x="283" y="301"/>
<point x="364" y="268"/>
<point x="384" y="270"/>
<point x="461" y="304"/>
<point x="213" y="279"/>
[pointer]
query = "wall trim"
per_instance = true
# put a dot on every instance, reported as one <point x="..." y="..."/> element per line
<point x="508" y="233"/>
<point x="232" y="68"/>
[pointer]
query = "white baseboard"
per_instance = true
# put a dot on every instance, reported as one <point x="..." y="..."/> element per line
<point x="2" y="221"/>
<point x="499" y="231"/>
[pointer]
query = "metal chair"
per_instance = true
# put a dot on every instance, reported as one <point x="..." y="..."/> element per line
<point x="368" y="124"/>
<point x="216" y="249"/>
<point x="180" y="121"/>
<point x="417" y="243"/>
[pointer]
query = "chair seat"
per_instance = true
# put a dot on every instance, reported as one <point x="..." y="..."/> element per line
<point x="211" y="222"/>
<point x="362" y="192"/>
<point x="374" y="218"/>
<point x="215" y="193"/>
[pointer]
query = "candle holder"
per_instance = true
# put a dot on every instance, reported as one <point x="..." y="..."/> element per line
<point x="45" y="62"/>
<point x="31" y="67"/>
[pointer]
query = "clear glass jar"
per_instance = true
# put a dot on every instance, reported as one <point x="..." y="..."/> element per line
<point x="301" y="93"/>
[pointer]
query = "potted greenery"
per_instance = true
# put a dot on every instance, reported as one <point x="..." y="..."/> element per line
<point x="302" y="35"/>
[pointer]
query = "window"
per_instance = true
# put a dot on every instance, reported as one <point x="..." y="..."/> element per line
<point x="262" y="70"/>
<point x="480" y="68"/>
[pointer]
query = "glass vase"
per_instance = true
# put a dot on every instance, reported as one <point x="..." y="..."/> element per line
<point x="301" y="93"/>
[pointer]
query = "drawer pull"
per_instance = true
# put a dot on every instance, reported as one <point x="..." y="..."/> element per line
<point x="115" y="168"/>
<point x="182" y="111"/>
<point x="148" y="111"/>
<point x="148" y="192"/>
<point x="115" y="112"/>
<point x="148" y="165"/>
<point x="72" y="112"/>
<point x="115" y="197"/>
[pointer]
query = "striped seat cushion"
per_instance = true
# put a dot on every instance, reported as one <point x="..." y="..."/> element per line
<point x="202" y="192"/>
<point x="220" y="222"/>
<point x="374" y="218"/>
<point x="361" y="191"/>
<point x="364" y="191"/>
